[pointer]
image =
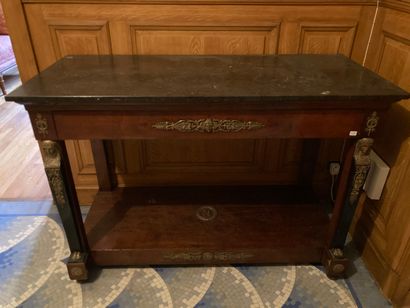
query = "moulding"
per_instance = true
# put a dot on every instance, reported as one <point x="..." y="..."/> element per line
<point x="226" y="2"/>
<point x="399" y="5"/>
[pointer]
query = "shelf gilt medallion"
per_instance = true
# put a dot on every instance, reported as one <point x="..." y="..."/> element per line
<point x="206" y="213"/>
<point x="208" y="125"/>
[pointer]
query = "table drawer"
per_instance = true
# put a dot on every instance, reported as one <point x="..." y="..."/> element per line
<point x="129" y="125"/>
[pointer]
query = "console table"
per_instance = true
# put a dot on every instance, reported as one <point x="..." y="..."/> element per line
<point x="103" y="98"/>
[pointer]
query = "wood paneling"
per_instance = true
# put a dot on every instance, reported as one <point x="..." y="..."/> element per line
<point x="394" y="61"/>
<point x="202" y="162"/>
<point x="398" y="5"/>
<point x="266" y="2"/>
<point x="20" y="37"/>
<point x="327" y="38"/>
<point x="182" y="153"/>
<point x="382" y="230"/>
<point x="89" y="39"/>
<point x="204" y="40"/>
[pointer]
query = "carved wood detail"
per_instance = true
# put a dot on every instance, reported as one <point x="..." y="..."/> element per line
<point x="238" y="2"/>
<point x="73" y="38"/>
<point x="327" y="38"/>
<point x="190" y="156"/>
<point x="82" y="164"/>
<point x="202" y="161"/>
<point x="200" y="40"/>
<point x="399" y="5"/>
<point x="393" y="60"/>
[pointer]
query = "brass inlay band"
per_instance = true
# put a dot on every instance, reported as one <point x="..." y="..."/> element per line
<point x="209" y="256"/>
<point x="371" y="123"/>
<point x="208" y="125"/>
<point x="362" y="165"/>
<point x="41" y="124"/>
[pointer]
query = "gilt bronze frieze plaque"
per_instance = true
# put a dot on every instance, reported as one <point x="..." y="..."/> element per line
<point x="208" y="125"/>
<point x="208" y="256"/>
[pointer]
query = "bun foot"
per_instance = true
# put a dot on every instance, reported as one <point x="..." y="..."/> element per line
<point x="335" y="263"/>
<point x="77" y="266"/>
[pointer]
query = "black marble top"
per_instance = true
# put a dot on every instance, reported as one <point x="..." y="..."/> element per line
<point x="133" y="80"/>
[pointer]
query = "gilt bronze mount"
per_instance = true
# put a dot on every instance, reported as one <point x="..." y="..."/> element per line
<point x="208" y="125"/>
<point x="362" y="165"/>
<point x="52" y="164"/>
<point x="41" y="124"/>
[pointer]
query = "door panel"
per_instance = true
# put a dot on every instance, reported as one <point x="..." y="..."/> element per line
<point x="204" y="40"/>
<point x="326" y="38"/>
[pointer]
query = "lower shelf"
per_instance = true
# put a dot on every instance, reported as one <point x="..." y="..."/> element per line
<point x="206" y="225"/>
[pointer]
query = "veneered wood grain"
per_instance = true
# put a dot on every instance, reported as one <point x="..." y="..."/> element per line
<point x="125" y="125"/>
<point x="147" y="225"/>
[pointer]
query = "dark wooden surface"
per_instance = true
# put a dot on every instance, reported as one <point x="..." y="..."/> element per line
<point x="160" y="226"/>
<point x="342" y="191"/>
<point x="103" y="154"/>
<point x="139" y="124"/>
<point x="67" y="203"/>
<point x="240" y="80"/>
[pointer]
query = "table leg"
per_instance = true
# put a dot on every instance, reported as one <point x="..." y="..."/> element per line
<point x="65" y="197"/>
<point x="104" y="164"/>
<point x="356" y="166"/>
<point x="310" y="153"/>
